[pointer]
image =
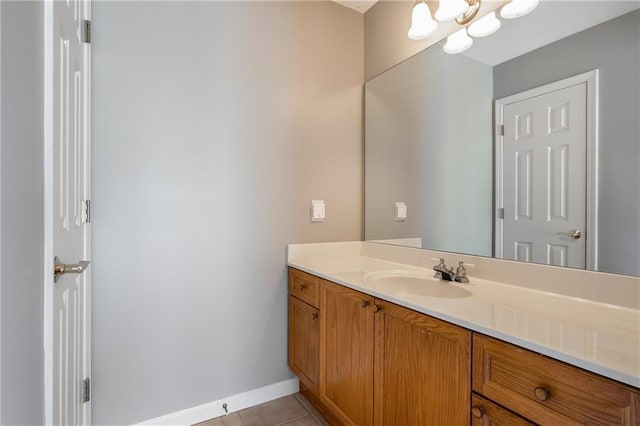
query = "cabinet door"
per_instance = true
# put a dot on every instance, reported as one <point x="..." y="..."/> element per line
<point x="422" y="369"/>
<point x="346" y="356"/>
<point x="487" y="413"/>
<point x="304" y="342"/>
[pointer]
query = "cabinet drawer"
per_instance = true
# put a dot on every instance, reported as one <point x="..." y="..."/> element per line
<point x="304" y="286"/>
<point x="487" y="413"/>
<point x="548" y="391"/>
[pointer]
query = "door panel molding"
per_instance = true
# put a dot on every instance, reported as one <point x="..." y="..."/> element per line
<point x="590" y="78"/>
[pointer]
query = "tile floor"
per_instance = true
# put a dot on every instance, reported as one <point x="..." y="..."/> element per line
<point x="292" y="410"/>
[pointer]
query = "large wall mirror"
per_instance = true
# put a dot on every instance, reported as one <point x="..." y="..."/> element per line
<point x="525" y="147"/>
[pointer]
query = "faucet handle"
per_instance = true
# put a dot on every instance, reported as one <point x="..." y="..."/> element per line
<point x="440" y="266"/>
<point x="461" y="273"/>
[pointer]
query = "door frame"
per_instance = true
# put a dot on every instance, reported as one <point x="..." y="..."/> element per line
<point x="591" y="227"/>
<point x="0" y="211"/>
<point x="48" y="213"/>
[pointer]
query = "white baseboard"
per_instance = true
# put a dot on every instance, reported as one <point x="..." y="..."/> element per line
<point x="234" y="403"/>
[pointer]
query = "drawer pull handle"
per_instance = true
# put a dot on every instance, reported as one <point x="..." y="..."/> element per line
<point x="377" y="308"/>
<point x="477" y="412"/>
<point x="542" y="394"/>
<point x="365" y="303"/>
<point x="314" y="316"/>
<point x="303" y="286"/>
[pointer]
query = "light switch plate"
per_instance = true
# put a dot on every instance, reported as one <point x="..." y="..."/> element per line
<point x="401" y="211"/>
<point x="317" y="210"/>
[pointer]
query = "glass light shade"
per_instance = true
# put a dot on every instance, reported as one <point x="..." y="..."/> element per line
<point x="458" y="42"/>
<point x="422" y="24"/>
<point x="451" y="9"/>
<point x="485" y="26"/>
<point x="518" y="8"/>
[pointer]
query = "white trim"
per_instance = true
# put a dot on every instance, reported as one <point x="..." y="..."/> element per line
<point x="0" y="214"/>
<point x="234" y="403"/>
<point x="499" y="169"/>
<point x="593" y="130"/>
<point x="48" y="213"/>
<point x="591" y="79"/>
<point x="86" y="368"/>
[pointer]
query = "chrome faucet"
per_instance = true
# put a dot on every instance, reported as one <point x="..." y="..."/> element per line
<point x="447" y="274"/>
<point x="461" y="273"/>
<point x="442" y="272"/>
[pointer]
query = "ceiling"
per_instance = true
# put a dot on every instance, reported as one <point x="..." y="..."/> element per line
<point x="358" y="5"/>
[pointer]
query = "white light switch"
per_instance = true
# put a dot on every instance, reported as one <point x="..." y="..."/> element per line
<point x="317" y="210"/>
<point x="401" y="211"/>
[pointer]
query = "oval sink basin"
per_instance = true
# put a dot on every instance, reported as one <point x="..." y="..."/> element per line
<point x="406" y="283"/>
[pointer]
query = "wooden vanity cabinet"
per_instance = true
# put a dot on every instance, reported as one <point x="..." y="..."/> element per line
<point x="379" y="363"/>
<point x="304" y="327"/>
<point x="422" y="369"/>
<point x="346" y="353"/>
<point x="367" y="361"/>
<point x="547" y="391"/>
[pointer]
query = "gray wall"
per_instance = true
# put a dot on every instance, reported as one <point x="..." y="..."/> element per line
<point x="614" y="48"/>
<point x="22" y="213"/>
<point x="429" y="143"/>
<point x="215" y="124"/>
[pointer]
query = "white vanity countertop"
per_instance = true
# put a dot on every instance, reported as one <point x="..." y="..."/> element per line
<point x="599" y="337"/>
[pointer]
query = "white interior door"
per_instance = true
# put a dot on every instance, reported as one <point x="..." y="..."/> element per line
<point x="70" y="338"/>
<point x="543" y="169"/>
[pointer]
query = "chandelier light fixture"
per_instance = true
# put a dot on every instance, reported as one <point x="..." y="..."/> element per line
<point x="422" y="24"/>
<point x="463" y="12"/>
<point x="485" y="26"/>
<point x="518" y="8"/>
<point x="458" y="42"/>
<point x="451" y="9"/>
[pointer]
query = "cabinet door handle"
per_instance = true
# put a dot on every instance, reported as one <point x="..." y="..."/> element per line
<point x="365" y="303"/>
<point x="542" y="394"/>
<point x="477" y="411"/>
<point x="377" y="308"/>
<point x="303" y="286"/>
<point x="314" y="316"/>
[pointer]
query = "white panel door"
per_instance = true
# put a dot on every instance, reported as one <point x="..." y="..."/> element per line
<point x="544" y="185"/>
<point x="71" y="230"/>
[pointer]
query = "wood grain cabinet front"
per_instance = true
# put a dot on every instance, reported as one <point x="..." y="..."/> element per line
<point x="549" y="392"/>
<point x="304" y="342"/>
<point x="384" y="364"/>
<point x="305" y="287"/>
<point x="422" y="369"/>
<point x="346" y="353"/>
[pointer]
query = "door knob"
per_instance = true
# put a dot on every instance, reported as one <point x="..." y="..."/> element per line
<point x="60" y="268"/>
<point x="575" y="234"/>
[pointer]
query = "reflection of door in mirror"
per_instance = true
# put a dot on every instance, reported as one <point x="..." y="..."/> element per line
<point x="541" y="174"/>
<point x="429" y="139"/>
